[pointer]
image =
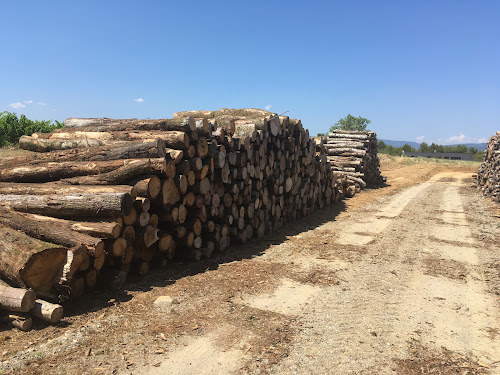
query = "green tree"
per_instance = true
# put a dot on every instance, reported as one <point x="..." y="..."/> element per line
<point x="424" y="147"/>
<point x="351" y="123"/>
<point x="381" y="146"/>
<point x="407" y="148"/>
<point x="12" y="127"/>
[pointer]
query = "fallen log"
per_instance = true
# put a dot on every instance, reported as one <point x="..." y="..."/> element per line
<point x="51" y="230"/>
<point x="107" y="124"/>
<point x="57" y="170"/>
<point x="20" y="321"/>
<point x="47" y="311"/>
<point x="28" y="262"/>
<point x="50" y="188"/>
<point x="16" y="299"/>
<point x="122" y="175"/>
<point x="72" y="206"/>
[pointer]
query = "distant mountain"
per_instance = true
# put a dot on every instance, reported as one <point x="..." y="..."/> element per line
<point x="415" y="145"/>
<point x="478" y="146"/>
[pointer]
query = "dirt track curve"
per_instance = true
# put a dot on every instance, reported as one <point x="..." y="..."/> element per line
<point x="407" y="284"/>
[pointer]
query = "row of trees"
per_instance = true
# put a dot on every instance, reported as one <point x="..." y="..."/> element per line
<point x="13" y="127"/>
<point x="384" y="148"/>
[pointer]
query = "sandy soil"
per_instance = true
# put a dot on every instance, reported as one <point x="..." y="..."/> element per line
<point x="403" y="279"/>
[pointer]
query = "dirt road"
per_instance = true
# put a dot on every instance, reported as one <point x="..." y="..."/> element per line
<point x="401" y="281"/>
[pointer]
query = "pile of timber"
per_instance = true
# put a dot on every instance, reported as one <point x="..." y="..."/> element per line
<point x="488" y="175"/>
<point x="353" y="157"/>
<point x="102" y="198"/>
<point x="18" y="306"/>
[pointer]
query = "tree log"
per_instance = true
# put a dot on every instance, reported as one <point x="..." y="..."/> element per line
<point x="19" y="321"/>
<point x="47" y="311"/>
<point x="50" y="188"/>
<point x="28" y="262"/>
<point x="51" y="230"/>
<point x="16" y="299"/>
<point x="122" y="175"/>
<point x="71" y="206"/>
<point x="107" y="124"/>
<point x="57" y="170"/>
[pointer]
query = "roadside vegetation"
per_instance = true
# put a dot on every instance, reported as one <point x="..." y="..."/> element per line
<point x="13" y="127"/>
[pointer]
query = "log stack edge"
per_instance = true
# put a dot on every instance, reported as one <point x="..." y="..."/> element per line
<point x="488" y="176"/>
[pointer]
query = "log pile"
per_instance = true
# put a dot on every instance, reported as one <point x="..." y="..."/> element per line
<point x="103" y="198"/>
<point x="353" y="158"/>
<point x="488" y="175"/>
<point x="18" y="306"/>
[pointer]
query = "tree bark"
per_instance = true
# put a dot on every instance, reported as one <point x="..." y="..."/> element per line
<point x="47" y="311"/>
<point x="28" y="262"/>
<point x="72" y="206"/>
<point x="122" y="175"/>
<point x="50" y="188"/>
<point x="16" y="299"/>
<point x="107" y="124"/>
<point x="57" y="170"/>
<point x="51" y="230"/>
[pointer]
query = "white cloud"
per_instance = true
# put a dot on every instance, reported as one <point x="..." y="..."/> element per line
<point x="456" y="139"/>
<point x="482" y="140"/>
<point x="139" y="100"/>
<point x="17" y="105"/>
<point x="41" y="103"/>
<point x="28" y="101"/>
<point x="268" y="107"/>
<point x="421" y="138"/>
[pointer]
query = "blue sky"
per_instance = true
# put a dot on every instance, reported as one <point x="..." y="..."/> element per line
<point x="420" y="70"/>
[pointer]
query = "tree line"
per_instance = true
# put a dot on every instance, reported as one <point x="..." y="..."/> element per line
<point x="13" y="127"/>
<point x="384" y="148"/>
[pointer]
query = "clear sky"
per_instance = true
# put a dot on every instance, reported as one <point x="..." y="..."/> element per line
<point x="425" y="70"/>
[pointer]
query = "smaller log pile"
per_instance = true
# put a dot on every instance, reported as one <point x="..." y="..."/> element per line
<point x="18" y="306"/>
<point x="102" y="198"/>
<point x="488" y="175"/>
<point x="353" y="157"/>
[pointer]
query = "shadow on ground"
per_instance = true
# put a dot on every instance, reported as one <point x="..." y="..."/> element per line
<point x="177" y="269"/>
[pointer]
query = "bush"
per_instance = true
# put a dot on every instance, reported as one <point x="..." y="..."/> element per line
<point x="12" y="127"/>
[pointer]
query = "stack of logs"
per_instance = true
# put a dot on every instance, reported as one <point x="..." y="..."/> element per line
<point x="353" y="158"/>
<point x="488" y="175"/>
<point x="17" y="306"/>
<point x="102" y="198"/>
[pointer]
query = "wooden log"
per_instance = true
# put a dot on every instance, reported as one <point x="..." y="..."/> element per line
<point x="75" y="257"/>
<point x="148" y="187"/>
<point x="46" y="145"/>
<point x="173" y="139"/>
<point x="72" y="206"/>
<point x="128" y="172"/>
<point x="28" y="262"/>
<point x="170" y="193"/>
<point x="20" y="321"/>
<point x="57" y="170"/>
<point x="50" y="312"/>
<point x="111" y="279"/>
<point x="16" y="299"/>
<point x="52" y="230"/>
<point x="107" y="124"/>
<point x="50" y="188"/>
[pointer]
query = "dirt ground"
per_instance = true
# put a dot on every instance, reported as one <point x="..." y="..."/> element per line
<point x="403" y="279"/>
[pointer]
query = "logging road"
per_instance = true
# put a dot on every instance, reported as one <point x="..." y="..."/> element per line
<point x="417" y="300"/>
<point x="399" y="280"/>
